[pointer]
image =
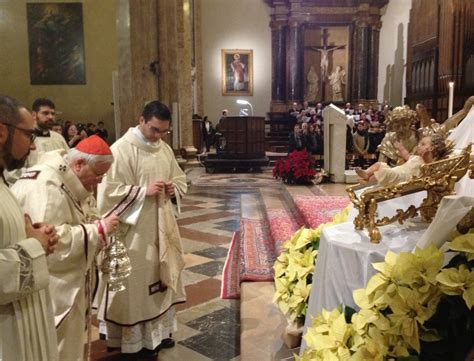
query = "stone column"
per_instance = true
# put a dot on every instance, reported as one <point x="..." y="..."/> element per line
<point x="373" y="66"/>
<point x="175" y="81"/>
<point x="361" y="54"/>
<point x="295" y="62"/>
<point x="137" y="49"/>
<point x="278" y="66"/>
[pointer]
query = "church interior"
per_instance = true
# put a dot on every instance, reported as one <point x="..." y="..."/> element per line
<point x="279" y="265"/>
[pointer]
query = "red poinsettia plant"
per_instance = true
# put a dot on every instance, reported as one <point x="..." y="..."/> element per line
<point x="297" y="168"/>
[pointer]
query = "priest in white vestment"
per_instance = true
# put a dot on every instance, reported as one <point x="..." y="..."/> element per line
<point x="45" y="141"/>
<point x="58" y="190"/>
<point x="26" y="318"/>
<point x="145" y="182"/>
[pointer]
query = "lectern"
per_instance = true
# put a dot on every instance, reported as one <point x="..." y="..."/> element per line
<point x="334" y="142"/>
<point x="244" y="144"/>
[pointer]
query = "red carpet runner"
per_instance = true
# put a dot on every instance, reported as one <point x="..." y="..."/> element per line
<point x="253" y="251"/>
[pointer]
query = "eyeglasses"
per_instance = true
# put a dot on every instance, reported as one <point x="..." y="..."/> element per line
<point x="30" y="132"/>
<point x="157" y="131"/>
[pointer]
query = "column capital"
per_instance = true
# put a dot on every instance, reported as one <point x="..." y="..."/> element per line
<point x="362" y="22"/>
<point x="278" y="24"/>
<point x="376" y="25"/>
<point x="294" y="22"/>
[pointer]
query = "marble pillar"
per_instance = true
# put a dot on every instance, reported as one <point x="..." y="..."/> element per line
<point x="176" y="71"/>
<point x="361" y="55"/>
<point x="278" y="65"/>
<point x="294" y="67"/>
<point x="373" y="61"/>
<point x="137" y="49"/>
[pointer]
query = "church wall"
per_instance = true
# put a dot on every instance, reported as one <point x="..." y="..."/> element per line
<point x="78" y="103"/>
<point x="230" y="24"/>
<point x="393" y="52"/>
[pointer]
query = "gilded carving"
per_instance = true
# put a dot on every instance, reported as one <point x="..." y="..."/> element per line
<point x="437" y="178"/>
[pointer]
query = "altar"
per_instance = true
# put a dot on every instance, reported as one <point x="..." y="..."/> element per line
<point x="345" y="259"/>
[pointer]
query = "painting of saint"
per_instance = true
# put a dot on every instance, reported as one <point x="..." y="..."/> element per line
<point x="237" y="72"/>
<point x="56" y="43"/>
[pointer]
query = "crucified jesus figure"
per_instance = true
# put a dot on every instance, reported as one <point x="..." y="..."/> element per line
<point x="324" y="57"/>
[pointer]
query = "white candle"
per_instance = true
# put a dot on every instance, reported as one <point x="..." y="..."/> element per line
<point x="450" y="99"/>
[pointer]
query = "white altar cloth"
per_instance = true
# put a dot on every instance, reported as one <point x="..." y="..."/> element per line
<point x="345" y="258"/>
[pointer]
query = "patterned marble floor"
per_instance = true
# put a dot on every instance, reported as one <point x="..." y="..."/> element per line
<point x="208" y="327"/>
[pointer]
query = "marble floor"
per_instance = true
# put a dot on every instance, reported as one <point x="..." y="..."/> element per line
<point x="208" y="326"/>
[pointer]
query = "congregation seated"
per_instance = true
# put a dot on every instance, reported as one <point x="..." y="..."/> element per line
<point x="295" y="139"/>
<point x="73" y="134"/>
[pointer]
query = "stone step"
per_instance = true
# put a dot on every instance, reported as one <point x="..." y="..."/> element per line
<point x="281" y="210"/>
<point x="282" y="217"/>
<point x="261" y="324"/>
<point x="316" y="204"/>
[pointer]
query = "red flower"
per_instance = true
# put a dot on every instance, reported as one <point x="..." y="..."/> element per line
<point x="298" y="167"/>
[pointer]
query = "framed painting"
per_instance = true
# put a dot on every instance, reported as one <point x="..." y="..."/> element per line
<point x="237" y="72"/>
<point x="56" y="43"/>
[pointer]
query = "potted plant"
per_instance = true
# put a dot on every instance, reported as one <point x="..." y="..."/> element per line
<point x="297" y="168"/>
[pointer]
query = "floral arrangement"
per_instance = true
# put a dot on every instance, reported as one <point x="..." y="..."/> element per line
<point x="294" y="269"/>
<point x="412" y="308"/>
<point x="297" y="168"/>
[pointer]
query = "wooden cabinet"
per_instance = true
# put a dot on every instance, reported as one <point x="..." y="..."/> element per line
<point x="243" y="148"/>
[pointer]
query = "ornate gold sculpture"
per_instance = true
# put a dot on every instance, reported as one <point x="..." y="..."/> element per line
<point x="401" y="125"/>
<point x="408" y="126"/>
<point x="467" y="222"/>
<point x="116" y="265"/>
<point x="437" y="178"/>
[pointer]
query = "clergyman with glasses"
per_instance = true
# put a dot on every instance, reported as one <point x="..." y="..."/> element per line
<point x="59" y="191"/>
<point x="143" y="186"/>
<point x="24" y="294"/>
<point x="44" y="114"/>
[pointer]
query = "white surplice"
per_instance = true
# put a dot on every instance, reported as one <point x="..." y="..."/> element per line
<point x="152" y="238"/>
<point x="51" y="192"/>
<point x="26" y="319"/>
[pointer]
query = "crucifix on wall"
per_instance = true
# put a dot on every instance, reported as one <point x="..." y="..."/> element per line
<point x="325" y="51"/>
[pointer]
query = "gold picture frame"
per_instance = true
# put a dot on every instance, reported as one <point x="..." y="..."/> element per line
<point x="237" y="72"/>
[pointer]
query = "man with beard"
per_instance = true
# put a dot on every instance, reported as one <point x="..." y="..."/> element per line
<point x="361" y="143"/>
<point x="66" y="181"/>
<point x="27" y="324"/>
<point x="46" y="140"/>
<point x="44" y="112"/>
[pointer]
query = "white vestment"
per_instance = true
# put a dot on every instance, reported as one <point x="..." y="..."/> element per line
<point x="152" y="238"/>
<point x="51" y="192"/>
<point x="26" y="318"/>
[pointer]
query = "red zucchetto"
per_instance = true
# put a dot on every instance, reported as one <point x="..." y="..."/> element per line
<point x="94" y="145"/>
